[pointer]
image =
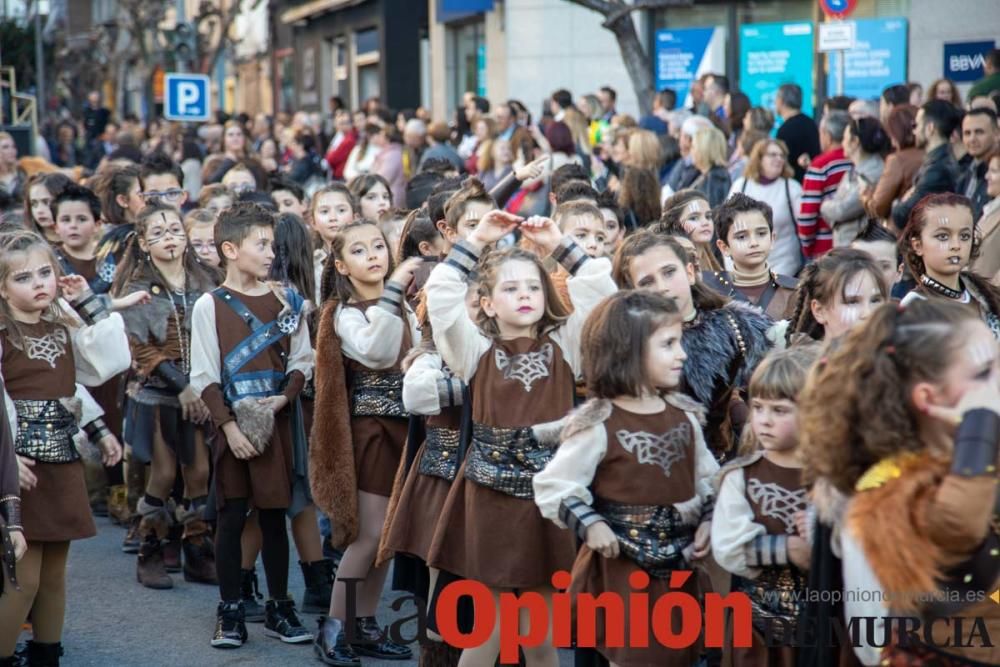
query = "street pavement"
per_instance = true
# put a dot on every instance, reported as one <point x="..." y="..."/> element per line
<point x="112" y="620"/>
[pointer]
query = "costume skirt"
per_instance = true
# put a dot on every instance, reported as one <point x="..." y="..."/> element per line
<point x="378" y="444"/>
<point x="498" y="539"/>
<point x="593" y="574"/>
<point x="419" y="508"/>
<point x="57" y="509"/>
<point x="144" y="420"/>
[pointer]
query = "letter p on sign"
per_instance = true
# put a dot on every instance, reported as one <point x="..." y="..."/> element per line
<point x="186" y="97"/>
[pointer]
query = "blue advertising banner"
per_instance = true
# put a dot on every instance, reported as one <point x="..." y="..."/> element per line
<point x="683" y="54"/>
<point x="963" y="61"/>
<point x="772" y="54"/>
<point x="877" y="60"/>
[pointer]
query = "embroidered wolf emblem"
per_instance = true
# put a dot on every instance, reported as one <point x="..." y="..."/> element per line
<point x="47" y="348"/>
<point x="776" y="501"/>
<point x="527" y="367"/>
<point x="659" y="450"/>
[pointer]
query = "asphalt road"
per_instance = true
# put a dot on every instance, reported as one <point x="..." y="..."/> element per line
<point x="112" y="620"/>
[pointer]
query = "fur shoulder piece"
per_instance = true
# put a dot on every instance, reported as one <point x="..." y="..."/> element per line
<point x="682" y="401"/>
<point x="890" y="523"/>
<point x="331" y="455"/>
<point x="723" y="348"/>
<point x="588" y="415"/>
<point x="733" y="464"/>
<point x="292" y="302"/>
<point x="787" y="282"/>
<point x="828" y="501"/>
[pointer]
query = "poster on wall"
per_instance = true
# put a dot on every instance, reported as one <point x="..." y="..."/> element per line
<point x="877" y="60"/>
<point x="772" y="54"/>
<point x="684" y="54"/>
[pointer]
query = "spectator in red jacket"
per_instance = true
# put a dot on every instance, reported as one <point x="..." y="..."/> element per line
<point x="820" y="182"/>
<point x="341" y="144"/>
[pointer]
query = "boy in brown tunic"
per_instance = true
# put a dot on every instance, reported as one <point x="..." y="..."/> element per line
<point x="250" y="357"/>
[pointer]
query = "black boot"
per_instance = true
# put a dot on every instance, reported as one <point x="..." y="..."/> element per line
<point x="369" y="641"/>
<point x="331" y="645"/>
<point x="318" y="576"/>
<point x="44" y="655"/>
<point x="230" y="630"/>
<point x="249" y="596"/>
<point x="11" y="661"/>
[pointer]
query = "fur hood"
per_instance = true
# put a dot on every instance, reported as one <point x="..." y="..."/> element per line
<point x="733" y="464"/>
<point x="716" y="360"/>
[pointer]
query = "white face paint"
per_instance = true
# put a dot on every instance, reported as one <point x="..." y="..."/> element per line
<point x="739" y="227"/>
<point x="944" y="242"/>
<point x="849" y="315"/>
<point x="981" y="352"/>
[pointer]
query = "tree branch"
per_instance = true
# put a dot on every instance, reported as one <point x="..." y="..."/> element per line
<point x="624" y="10"/>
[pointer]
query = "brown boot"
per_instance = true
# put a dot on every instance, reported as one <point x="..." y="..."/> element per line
<point x="172" y="549"/>
<point x="199" y="552"/>
<point x="150" y="570"/>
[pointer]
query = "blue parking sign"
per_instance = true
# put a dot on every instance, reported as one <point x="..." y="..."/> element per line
<point x="186" y="97"/>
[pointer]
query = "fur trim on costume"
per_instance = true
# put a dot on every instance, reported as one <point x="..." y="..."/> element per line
<point x="256" y="422"/>
<point x="155" y="520"/>
<point x="828" y="501"/>
<point x="733" y="464"/>
<point x="331" y="453"/>
<point x="682" y="401"/>
<point x="715" y="361"/>
<point x="588" y="415"/>
<point x="890" y="524"/>
<point x="74" y="406"/>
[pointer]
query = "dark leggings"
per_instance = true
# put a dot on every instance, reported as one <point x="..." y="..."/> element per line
<point x="274" y="550"/>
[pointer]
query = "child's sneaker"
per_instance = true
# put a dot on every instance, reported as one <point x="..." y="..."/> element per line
<point x="281" y="621"/>
<point x="230" y="630"/>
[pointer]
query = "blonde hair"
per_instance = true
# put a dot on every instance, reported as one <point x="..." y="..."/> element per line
<point x="643" y="149"/>
<point x="708" y="148"/>
<point x="23" y="242"/>
<point x="199" y="216"/>
<point x="755" y="162"/>
<point x="781" y="376"/>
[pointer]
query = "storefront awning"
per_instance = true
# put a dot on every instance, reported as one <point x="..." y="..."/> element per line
<point x="315" y="7"/>
<point x="450" y="10"/>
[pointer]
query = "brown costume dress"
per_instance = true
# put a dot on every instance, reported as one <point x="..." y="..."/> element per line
<point x="265" y="479"/>
<point x="57" y="509"/>
<point x="378" y="441"/>
<point x="774" y="493"/>
<point x="423" y="496"/>
<point x="623" y="476"/>
<point x="495" y="538"/>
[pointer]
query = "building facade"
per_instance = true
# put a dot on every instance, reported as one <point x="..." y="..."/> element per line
<point x="351" y="49"/>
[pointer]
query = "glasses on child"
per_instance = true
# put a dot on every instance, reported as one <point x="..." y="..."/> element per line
<point x="776" y="155"/>
<point x="157" y="233"/>
<point x="172" y="195"/>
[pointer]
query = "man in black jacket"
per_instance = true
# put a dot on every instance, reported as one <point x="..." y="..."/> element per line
<point x="798" y="131"/>
<point x="980" y="136"/>
<point x="935" y="122"/>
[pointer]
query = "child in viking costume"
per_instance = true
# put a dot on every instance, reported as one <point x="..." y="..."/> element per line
<point x="632" y="475"/>
<point x="165" y="415"/>
<point x="521" y="364"/>
<point x="365" y="331"/>
<point x="45" y="351"/>
<point x="758" y="529"/>
<point x="903" y="419"/>
<point x="250" y="357"/>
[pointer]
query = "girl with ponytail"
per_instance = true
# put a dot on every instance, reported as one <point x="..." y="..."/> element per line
<point x="902" y="420"/>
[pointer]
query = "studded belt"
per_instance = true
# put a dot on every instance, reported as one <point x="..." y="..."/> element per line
<point x="45" y="431"/>
<point x="440" y="457"/>
<point x="774" y="594"/>
<point x="654" y="536"/>
<point x="506" y="459"/>
<point x="377" y="394"/>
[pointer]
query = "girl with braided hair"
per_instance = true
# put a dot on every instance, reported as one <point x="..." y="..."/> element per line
<point x="938" y="244"/>
<point x="902" y="419"/>
<point x="835" y="293"/>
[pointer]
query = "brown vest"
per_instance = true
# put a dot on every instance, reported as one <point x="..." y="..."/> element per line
<point x="775" y="494"/>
